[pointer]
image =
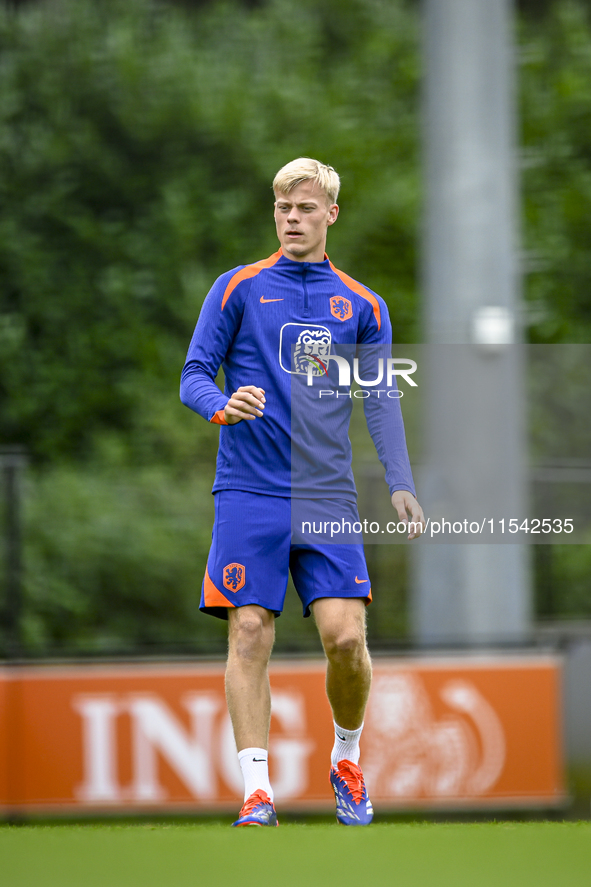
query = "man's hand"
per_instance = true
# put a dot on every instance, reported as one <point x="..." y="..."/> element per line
<point x="407" y="506"/>
<point x="246" y="403"/>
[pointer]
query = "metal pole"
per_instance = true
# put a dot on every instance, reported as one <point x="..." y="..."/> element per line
<point x="471" y="593"/>
<point x="12" y="460"/>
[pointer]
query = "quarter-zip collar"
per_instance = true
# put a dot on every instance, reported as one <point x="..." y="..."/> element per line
<point x="300" y="272"/>
<point x="285" y="262"/>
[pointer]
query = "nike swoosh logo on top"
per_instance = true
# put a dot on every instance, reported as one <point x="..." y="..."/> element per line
<point x="264" y="301"/>
<point x="360" y="581"/>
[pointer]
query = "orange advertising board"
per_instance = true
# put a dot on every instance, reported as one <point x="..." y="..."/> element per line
<point x="439" y="733"/>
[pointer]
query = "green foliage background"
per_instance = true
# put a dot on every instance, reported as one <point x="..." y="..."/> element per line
<point x="137" y="145"/>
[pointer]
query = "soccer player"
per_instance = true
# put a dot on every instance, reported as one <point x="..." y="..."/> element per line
<point x="266" y="324"/>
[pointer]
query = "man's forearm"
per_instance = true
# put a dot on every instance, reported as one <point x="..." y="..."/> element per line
<point x="200" y="393"/>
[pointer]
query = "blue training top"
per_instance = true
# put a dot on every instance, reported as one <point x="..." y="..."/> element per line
<point x="261" y="322"/>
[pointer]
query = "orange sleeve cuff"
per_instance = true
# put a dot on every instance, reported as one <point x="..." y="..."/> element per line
<point x="218" y="418"/>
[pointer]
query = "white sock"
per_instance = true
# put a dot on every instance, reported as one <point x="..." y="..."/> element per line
<point x="254" y="763"/>
<point x="346" y="745"/>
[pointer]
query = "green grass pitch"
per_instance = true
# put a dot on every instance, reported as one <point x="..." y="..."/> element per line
<point x="540" y="854"/>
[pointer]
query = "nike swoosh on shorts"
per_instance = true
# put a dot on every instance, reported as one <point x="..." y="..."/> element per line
<point x="360" y="581"/>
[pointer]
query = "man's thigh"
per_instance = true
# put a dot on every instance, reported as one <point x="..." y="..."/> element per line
<point x="248" y="561"/>
<point x="340" y="621"/>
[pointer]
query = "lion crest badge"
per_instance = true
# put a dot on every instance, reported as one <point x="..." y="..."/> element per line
<point x="234" y="577"/>
<point x="341" y="308"/>
<point x="305" y="347"/>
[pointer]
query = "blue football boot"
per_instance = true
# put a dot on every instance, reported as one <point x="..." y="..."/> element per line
<point x="353" y="805"/>
<point x="258" y="809"/>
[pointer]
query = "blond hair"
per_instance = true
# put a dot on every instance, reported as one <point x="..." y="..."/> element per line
<point x="306" y="169"/>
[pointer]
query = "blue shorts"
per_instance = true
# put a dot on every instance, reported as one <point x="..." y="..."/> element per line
<point x="252" y="551"/>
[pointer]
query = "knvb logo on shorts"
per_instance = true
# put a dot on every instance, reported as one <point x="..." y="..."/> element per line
<point x="234" y="577"/>
<point x="310" y="344"/>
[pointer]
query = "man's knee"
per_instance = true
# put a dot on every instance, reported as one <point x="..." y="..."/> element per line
<point x="251" y="632"/>
<point x="345" y="642"/>
<point x="345" y="645"/>
<point x="341" y="623"/>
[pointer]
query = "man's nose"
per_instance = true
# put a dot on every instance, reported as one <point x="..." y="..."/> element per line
<point x="293" y="215"/>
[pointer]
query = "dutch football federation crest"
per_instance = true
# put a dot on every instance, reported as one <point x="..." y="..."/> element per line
<point x="340" y="308"/>
<point x="303" y="345"/>
<point x="234" y="576"/>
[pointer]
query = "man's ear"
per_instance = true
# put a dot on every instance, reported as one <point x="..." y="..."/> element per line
<point x="334" y="212"/>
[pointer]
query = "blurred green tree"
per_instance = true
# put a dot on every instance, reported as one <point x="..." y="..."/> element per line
<point x="138" y="140"/>
<point x="138" y="146"/>
<point x="555" y="71"/>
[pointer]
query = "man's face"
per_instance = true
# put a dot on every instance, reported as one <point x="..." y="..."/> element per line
<point x="302" y="218"/>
